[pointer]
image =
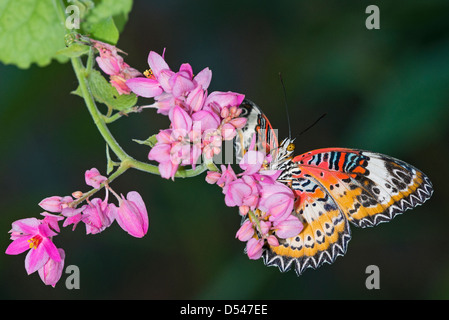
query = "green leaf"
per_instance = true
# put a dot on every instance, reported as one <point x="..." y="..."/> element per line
<point x="105" y="93"/>
<point x="118" y="10"/>
<point x="74" y="50"/>
<point x="30" y="32"/>
<point x="151" y="141"/>
<point x="105" y="31"/>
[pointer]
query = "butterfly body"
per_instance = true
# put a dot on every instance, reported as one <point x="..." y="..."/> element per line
<point x="335" y="188"/>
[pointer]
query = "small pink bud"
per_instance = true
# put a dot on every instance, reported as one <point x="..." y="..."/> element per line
<point x="264" y="227"/>
<point x="77" y="194"/>
<point x="243" y="210"/>
<point x="224" y="112"/>
<point x="238" y="122"/>
<point x="273" y="241"/>
<point x="212" y="177"/>
<point x="245" y="232"/>
<point x="228" y="131"/>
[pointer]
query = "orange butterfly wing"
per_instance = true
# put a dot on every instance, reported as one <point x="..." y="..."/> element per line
<point x="335" y="186"/>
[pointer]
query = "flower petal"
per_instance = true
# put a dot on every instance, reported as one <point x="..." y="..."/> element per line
<point x="147" y="88"/>
<point x="35" y="259"/>
<point x="157" y="63"/>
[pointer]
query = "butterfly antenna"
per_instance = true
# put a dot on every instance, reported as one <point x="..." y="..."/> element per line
<point x="286" y="107"/>
<point x="316" y="121"/>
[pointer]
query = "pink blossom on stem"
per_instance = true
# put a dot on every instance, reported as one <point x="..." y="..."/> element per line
<point x="33" y="235"/>
<point x="98" y="215"/>
<point x="113" y="65"/>
<point x="55" y="203"/>
<point x="73" y="216"/>
<point x="94" y="178"/>
<point x="52" y="220"/>
<point x="132" y="215"/>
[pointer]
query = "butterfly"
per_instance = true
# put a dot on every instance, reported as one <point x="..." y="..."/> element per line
<point x="334" y="188"/>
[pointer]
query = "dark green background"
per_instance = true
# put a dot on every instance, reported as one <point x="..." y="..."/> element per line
<point x="383" y="90"/>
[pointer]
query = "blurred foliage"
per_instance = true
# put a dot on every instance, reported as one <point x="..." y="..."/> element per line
<point x="383" y="90"/>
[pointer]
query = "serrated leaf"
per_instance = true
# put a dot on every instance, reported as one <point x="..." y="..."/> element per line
<point x="105" y="93"/>
<point x="74" y="50"/>
<point x="30" y="32"/>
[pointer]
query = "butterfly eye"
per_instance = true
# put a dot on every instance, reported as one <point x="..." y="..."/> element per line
<point x="291" y="147"/>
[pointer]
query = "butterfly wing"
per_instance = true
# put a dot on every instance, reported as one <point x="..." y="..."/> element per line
<point x="335" y="186"/>
<point x="257" y="125"/>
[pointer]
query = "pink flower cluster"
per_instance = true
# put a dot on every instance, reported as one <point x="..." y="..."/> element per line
<point x="199" y="121"/>
<point x="113" y="65"/>
<point x="257" y="190"/>
<point x="36" y="235"/>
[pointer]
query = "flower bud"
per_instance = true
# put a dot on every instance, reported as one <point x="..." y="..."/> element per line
<point x="254" y="248"/>
<point x="51" y="272"/>
<point x="132" y="215"/>
<point x="288" y="228"/>
<point x="55" y="203"/>
<point x="245" y="232"/>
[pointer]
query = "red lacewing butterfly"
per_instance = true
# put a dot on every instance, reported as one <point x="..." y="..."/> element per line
<point x="333" y="187"/>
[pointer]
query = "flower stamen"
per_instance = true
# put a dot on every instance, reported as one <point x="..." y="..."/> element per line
<point x="35" y="241"/>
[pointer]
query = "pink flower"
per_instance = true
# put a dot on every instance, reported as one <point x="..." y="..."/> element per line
<point x="55" y="203"/>
<point x="181" y="122"/>
<point x="73" y="216"/>
<point x="209" y="120"/>
<point x="212" y="177"/>
<point x="161" y="153"/>
<point x="218" y="100"/>
<point x="132" y="215"/>
<point x="246" y="231"/>
<point x="252" y="162"/>
<point x="93" y="178"/>
<point x="147" y="88"/>
<point x="242" y="192"/>
<point x="254" y="248"/>
<point x="51" y="272"/>
<point x="227" y="175"/>
<point x="34" y="235"/>
<point x="52" y="220"/>
<point x="98" y="215"/>
<point x="288" y="228"/>
<point x="276" y="200"/>
<point x="113" y="65"/>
